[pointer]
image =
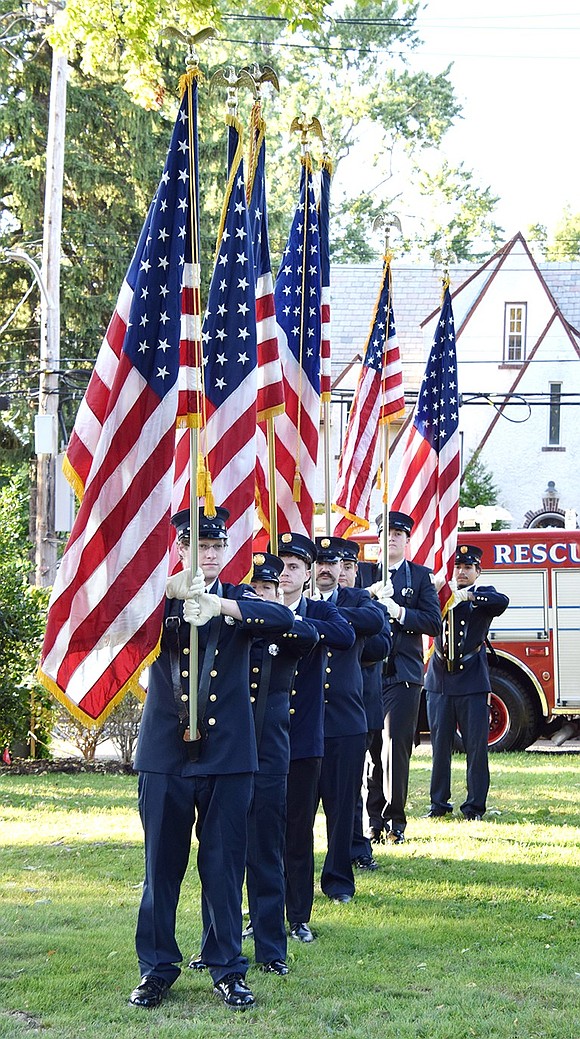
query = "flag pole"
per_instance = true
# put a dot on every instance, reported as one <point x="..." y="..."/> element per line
<point x="324" y="222"/>
<point x="387" y="222"/>
<point x="303" y="126"/>
<point x="261" y="75"/>
<point x="191" y="77"/>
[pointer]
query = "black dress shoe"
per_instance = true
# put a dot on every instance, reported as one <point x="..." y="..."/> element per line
<point x="150" y="992"/>
<point x="340" y="899"/>
<point x="196" y="963"/>
<point x="301" y="932"/>
<point x="234" y="992"/>
<point x="396" y="837"/>
<point x="365" y="862"/>
<point x="279" y="967"/>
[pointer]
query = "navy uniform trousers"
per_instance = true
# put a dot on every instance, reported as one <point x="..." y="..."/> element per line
<point x="169" y="806"/>
<point x="345" y="739"/>
<point x="273" y="665"/>
<point x="470" y="714"/>
<point x="306" y="751"/>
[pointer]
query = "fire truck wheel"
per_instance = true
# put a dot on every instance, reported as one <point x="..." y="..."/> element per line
<point x="514" y="721"/>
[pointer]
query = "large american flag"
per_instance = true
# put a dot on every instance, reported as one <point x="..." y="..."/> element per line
<point x="270" y="384"/>
<point x="106" y="608"/>
<point x="230" y="367"/>
<point x="427" y="485"/>
<point x="298" y="313"/>
<point x="378" y="398"/>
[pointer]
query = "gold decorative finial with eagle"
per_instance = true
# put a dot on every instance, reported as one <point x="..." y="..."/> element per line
<point x="192" y="40"/>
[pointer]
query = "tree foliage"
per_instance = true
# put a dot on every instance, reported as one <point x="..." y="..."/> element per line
<point x="350" y="71"/>
<point x="477" y="486"/>
<point x="23" y="704"/>
<point x="565" y="244"/>
<point x="461" y="216"/>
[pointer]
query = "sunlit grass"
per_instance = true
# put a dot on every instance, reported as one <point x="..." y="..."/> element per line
<point x="468" y="929"/>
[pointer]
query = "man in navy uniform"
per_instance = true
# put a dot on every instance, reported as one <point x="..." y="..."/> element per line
<point x="375" y="651"/>
<point x="458" y="687"/>
<point x="413" y="606"/>
<point x="345" y="723"/>
<point x="306" y="727"/>
<point x="213" y="789"/>
<point x="273" y="664"/>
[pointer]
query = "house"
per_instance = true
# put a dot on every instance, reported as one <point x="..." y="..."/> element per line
<point x="518" y="350"/>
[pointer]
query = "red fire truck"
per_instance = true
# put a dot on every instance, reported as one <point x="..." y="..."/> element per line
<point x="535" y="664"/>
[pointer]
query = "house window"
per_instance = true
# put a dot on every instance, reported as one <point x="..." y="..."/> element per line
<point x="515" y="333"/>
<point x="554" y="423"/>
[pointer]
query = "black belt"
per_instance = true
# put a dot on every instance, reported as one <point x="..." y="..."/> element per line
<point x="454" y="665"/>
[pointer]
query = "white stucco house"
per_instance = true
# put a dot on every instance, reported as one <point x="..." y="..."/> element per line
<point x="517" y="328"/>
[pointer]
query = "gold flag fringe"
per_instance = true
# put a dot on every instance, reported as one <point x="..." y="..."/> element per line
<point x="187" y="80"/>
<point x="131" y="686"/>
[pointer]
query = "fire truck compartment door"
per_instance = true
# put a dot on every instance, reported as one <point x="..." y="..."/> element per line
<point x="526" y="617"/>
<point x="567" y="638"/>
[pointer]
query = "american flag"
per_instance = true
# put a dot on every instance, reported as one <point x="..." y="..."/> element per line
<point x="297" y="299"/>
<point x="378" y="398"/>
<point x="230" y="367"/>
<point x="427" y="485"/>
<point x="270" y="384"/>
<point x="324" y="228"/>
<point x="106" y="608"/>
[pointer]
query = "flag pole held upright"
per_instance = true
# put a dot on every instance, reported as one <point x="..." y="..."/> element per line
<point x="191" y="359"/>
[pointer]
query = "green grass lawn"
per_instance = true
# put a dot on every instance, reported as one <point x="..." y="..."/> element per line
<point x="468" y="929"/>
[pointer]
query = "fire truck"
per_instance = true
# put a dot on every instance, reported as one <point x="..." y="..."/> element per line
<point x="535" y="645"/>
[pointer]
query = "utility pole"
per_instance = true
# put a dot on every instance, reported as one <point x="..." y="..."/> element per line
<point x="48" y="394"/>
<point x="46" y="427"/>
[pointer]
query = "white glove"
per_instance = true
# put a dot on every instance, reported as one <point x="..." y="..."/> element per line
<point x="180" y="585"/>
<point x="460" y="595"/>
<point x="199" y="609"/>
<point x="378" y="590"/>
<point x="393" y="608"/>
<point x="177" y="585"/>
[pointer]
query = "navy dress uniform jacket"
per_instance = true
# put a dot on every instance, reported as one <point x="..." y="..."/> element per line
<point x="228" y="740"/>
<point x="273" y="664"/>
<point x="344" y="711"/>
<point x="422" y="617"/>
<point x="307" y="698"/>
<point x="376" y="649"/>
<point x="471" y="621"/>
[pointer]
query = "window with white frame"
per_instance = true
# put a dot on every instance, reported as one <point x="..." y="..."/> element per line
<point x="554" y="419"/>
<point x="514" y="349"/>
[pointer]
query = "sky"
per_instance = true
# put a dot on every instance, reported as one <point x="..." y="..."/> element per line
<point x="516" y="72"/>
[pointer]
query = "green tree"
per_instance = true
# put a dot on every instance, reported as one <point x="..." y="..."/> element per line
<point x="461" y="225"/>
<point x="477" y="486"/>
<point x="22" y="617"/>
